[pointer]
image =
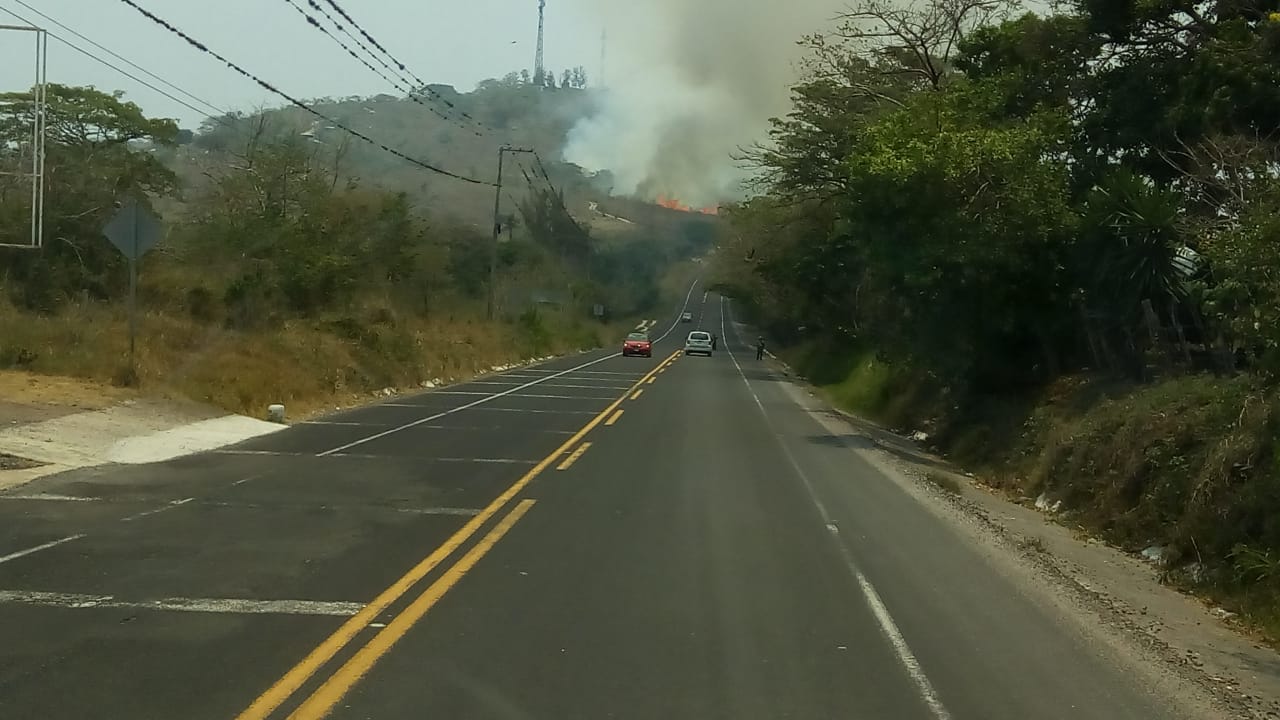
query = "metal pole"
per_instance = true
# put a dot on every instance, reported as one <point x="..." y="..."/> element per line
<point x="44" y="129"/>
<point x="497" y="230"/>
<point x="35" y="144"/>
<point x="133" y="293"/>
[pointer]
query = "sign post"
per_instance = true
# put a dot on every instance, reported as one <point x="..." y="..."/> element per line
<point x="134" y="231"/>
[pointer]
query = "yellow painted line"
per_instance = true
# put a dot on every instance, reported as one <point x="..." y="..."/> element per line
<point x="649" y="381"/>
<point x="635" y="395"/>
<point x="286" y="686"/>
<point x="613" y="418"/>
<point x="323" y="700"/>
<point x="574" y="457"/>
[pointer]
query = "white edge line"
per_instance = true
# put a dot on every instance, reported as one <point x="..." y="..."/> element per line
<point x="878" y="609"/>
<point x="495" y="396"/>
<point x="38" y="548"/>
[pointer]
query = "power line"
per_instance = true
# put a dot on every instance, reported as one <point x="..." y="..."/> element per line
<point x="398" y="84"/>
<point x="294" y="101"/>
<point x="555" y="193"/>
<point x="403" y="68"/>
<point x="203" y="111"/>
<point x="217" y="110"/>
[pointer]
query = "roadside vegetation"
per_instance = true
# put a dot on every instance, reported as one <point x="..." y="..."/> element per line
<point x="1050" y="244"/>
<point x="283" y="276"/>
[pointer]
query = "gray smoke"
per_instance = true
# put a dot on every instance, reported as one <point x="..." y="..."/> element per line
<point x="689" y="82"/>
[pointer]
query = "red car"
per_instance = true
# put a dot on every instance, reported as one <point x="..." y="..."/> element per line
<point x="637" y="343"/>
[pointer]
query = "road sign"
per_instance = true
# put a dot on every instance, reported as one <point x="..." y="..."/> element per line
<point x="134" y="230"/>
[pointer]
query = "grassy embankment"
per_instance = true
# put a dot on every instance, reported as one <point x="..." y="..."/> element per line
<point x="1187" y="463"/>
<point x="311" y="365"/>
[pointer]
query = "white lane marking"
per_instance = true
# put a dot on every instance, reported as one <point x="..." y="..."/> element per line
<point x="147" y="513"/>
<point x="632" y="375"/>
<point x="597" y="386"/>
<point x="461" y="512"/>
<point x="679" y="312"/>
<point x="538" y="412"/>
<point x="202" y="605"/>
<point x="233" y="505"/>
<point x="878" y="609"/>
<point x="344" y="424"/>
<point x="50" y="497"/>
<point x="492" y="428"/>
<point x="488" y="398"/>
<point x="547" y="397"/>
<point x="362" y="456"/>
<point x="496" y="461"/>
<point x="38" y="548"/>
<point x="242" y="481"/>
<point x="460" y="408"/>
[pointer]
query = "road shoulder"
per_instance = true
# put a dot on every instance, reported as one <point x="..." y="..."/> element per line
<point x="1191" y="643"/>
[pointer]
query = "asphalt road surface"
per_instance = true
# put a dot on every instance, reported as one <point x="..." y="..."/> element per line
<point x="594" y="537"/>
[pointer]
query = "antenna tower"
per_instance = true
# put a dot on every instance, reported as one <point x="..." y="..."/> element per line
<point x="539" y="70"/>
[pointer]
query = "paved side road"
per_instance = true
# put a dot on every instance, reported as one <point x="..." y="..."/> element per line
<point x="596" y="537"/>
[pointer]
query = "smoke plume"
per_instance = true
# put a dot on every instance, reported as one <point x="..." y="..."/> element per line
<point x="688" y="84"/>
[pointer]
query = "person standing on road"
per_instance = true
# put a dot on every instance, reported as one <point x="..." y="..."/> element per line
<point x="760" y="348"/>
<point x="714" y="341"/>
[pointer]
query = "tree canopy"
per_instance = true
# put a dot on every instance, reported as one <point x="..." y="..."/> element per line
<point x="999" y="198"/>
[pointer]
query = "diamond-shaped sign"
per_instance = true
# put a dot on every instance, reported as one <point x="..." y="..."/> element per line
<point x="134" y="230"/>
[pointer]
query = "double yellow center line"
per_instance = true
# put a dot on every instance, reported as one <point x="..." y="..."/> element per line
<point x="332" y="690"/>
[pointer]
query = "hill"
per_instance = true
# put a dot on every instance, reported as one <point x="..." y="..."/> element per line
<point x="302" y="265"/>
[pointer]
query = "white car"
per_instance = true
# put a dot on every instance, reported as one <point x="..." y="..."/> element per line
<point x="699" y="342"/>
<point x="686" y="317"/>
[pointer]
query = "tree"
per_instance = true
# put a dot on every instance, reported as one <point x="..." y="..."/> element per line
<point x="921" y="41"/>
<point x="91" y="163"/>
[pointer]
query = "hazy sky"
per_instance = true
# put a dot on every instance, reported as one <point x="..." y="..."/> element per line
<point x="458" y="43"/>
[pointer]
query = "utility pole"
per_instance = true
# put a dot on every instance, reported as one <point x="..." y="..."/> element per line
<point x="603" y="39"/>
<point x="497" y="228"/>
<point x="539" y="70"/>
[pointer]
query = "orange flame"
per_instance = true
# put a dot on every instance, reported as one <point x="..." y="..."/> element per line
<point x="673" y="204"/>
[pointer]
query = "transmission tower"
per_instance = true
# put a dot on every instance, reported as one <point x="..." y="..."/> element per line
<point x="539" y="71"/>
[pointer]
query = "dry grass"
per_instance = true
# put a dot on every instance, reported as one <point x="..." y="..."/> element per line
<point x="305" y="364"/>
<point x="30" y="388"/>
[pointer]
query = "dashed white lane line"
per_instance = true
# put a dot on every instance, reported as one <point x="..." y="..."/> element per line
<point x="38" y="548"/>
<point x="489" y="398"/>
<point x="594" y="386"/>
<point x="156" y="511"/>
<point x="240" y="606"/>
<point x="531" y="395"/>
<point x="543" y="373"/>
<point x="485" y="398"/>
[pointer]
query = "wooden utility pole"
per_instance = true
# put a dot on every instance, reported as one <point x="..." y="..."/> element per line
<point x="497" y="229"/>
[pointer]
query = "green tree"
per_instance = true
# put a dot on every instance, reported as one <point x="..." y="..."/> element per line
<point x="96" y="154"/>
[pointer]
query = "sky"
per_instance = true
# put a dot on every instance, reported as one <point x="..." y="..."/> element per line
<point x="456" y="43"/>
<point x="689" y="83"/>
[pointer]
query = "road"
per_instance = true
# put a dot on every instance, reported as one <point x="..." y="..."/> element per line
<point x="595" y="537"/>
